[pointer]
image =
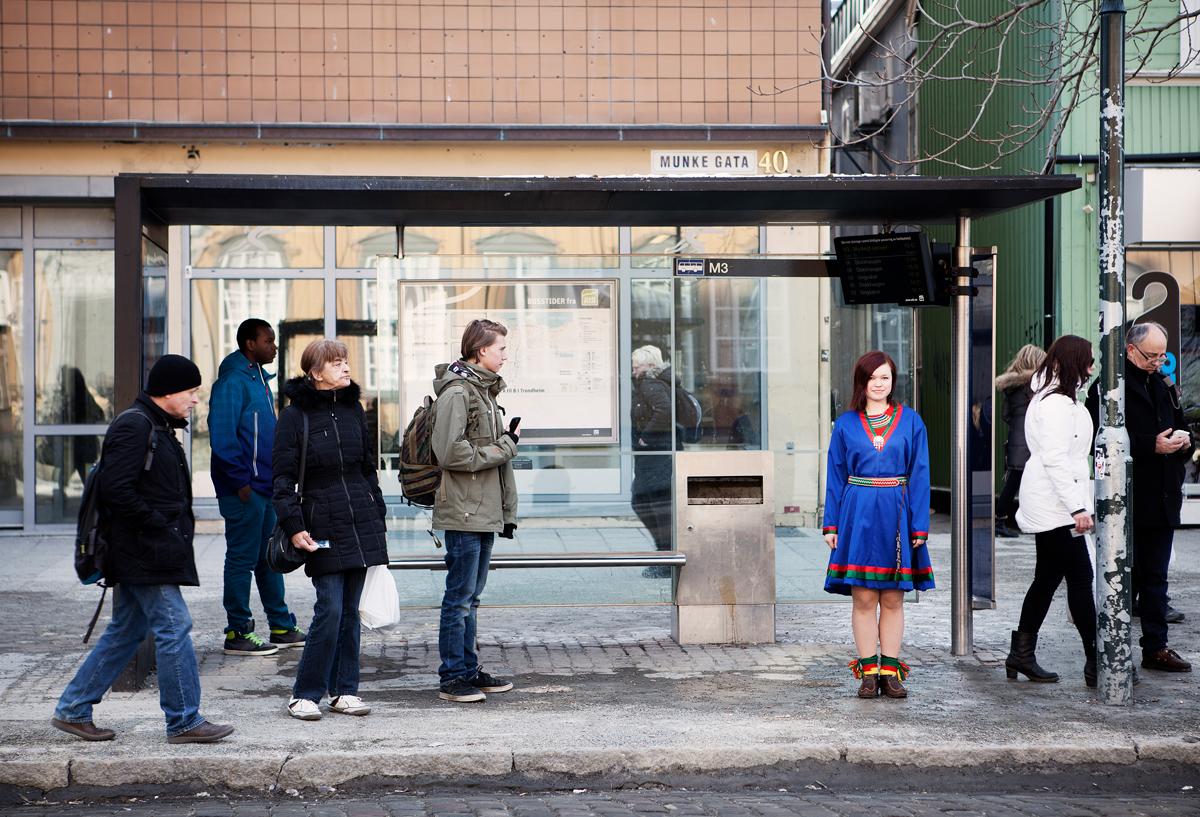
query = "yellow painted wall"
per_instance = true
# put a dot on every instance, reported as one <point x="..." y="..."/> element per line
<point x="357" y="159"/>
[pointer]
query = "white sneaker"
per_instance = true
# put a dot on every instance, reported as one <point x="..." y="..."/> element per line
<point x="304" y="709"/>
<point x="349" y="705"/>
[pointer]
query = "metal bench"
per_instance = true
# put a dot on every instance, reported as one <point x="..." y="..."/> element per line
<point x="670" y="558"/>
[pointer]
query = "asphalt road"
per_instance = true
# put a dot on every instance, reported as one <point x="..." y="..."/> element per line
<point x="659" y="802"/>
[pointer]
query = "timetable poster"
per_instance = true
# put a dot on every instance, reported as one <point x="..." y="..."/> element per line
<point x="561" y="373"/>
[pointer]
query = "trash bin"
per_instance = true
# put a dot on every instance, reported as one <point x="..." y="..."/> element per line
<point x="725" y="523"/>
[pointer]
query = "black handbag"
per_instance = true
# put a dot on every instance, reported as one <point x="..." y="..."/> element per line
<point x="282" y="555"/>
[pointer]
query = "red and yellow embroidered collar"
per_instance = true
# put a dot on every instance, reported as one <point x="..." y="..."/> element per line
<point x="879" y="435"/>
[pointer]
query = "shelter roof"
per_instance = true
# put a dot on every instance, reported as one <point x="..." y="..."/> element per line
<point x="569" y="201"/>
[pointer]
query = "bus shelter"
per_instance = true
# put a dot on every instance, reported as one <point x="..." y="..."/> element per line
<point x="410" y="209"/>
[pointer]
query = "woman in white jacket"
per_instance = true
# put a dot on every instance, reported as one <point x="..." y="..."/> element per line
<point x="1056" y="505"/>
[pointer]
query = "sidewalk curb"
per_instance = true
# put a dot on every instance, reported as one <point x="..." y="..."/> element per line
<point x="238" y="771"/>
<point x="337" y="768"/>
<point x="962" y="755"/>
<point x="262" y="772"/>
<point x="35" y="774"/>
<point x="1175" y="750"/>
<point x="666" y="760"/>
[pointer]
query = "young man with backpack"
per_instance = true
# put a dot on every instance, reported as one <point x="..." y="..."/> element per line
<point x="241" y="426"/>
<point x="146" y="498"/>
<point x="475" y="501"/>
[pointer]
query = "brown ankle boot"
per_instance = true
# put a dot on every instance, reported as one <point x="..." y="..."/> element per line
<point x="868" y="670"/>
<point x="892" y="687"/>
<point x="870" y="686"/>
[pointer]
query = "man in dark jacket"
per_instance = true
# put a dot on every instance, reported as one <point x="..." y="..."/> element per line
<point x="1160" y="446"/>
<point x="146" y="495"/>
<point x="241" y="427"/>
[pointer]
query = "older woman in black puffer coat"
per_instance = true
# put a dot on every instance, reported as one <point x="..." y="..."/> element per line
<point x="338" y="519"/>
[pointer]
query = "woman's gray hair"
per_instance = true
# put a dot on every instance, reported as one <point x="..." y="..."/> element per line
<point x="1137" y="333"/>
<point x="649" y="356"/>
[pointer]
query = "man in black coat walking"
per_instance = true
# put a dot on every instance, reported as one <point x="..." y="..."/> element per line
<point x="1160" y="446"/>
<point x="146" y="496"/>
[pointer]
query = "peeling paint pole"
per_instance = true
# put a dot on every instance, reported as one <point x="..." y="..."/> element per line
<point x="1114" y="643"/>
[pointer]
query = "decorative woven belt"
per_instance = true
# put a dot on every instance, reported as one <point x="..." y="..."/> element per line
<point x="878" y="482"/>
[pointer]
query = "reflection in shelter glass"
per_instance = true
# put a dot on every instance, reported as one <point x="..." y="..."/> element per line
<point x="215" y="246"/>
<point x="524" y="247"/>
<point x="62" y="465"/>
<point x="75" y="313"/>
<point x="371" y="359"/>
<point x="718" y="360"/>
<point x="12" y="406"/>
<point x="654" y="247"/>
<point x="294" y="308"/>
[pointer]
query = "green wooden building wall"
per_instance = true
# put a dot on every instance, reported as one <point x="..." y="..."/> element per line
<point x="949" y="108"/>
<point x="1160" y="118"/>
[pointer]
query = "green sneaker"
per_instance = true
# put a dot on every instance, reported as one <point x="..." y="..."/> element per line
<point x="293" y="637"/>
<point x="247" y="644"/>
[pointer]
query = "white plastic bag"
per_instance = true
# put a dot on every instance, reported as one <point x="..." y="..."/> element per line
<point x="379" y="605"/>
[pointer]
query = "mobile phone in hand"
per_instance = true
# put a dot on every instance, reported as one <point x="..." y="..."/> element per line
<point x="513" y="423"/>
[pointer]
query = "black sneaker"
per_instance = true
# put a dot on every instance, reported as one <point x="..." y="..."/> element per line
<point x="293" y="637"/>
<point x="460" y="691"/>
<point x="490" y="683"/>
<point x="247" y="644"/>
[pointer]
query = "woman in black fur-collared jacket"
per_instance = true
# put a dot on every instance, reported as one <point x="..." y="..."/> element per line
<point x="339" y="520"/>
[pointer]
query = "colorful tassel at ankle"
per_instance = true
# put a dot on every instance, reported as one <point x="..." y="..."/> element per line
<point x="864" y="666"/>
<point x="893" y="666"/>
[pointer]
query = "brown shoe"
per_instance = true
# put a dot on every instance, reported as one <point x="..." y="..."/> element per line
<point x="870" y="686"/>
<point x="1165" y="660"/>
<point x="204" y="733"/>
<point x="84" y="731"/>
<point x="892" y="687"/>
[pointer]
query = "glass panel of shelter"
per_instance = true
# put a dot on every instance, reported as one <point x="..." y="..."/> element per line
<point x="575" y="467"/>
<point x="609" y="494"/>
<point x="295" y="307"/>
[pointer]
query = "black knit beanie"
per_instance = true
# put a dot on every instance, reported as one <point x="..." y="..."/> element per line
<point x="171" y="374"/>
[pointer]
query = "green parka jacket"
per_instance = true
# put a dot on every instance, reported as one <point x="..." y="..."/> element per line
<point x="478" y="491"/>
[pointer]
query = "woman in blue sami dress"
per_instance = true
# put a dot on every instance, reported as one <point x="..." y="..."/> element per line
<point x="877" y="520"/>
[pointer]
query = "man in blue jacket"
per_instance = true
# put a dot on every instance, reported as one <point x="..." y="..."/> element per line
<point x="241" y="425"/>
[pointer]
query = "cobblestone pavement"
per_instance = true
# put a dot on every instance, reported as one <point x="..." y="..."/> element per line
<point x="600" y="691"/>
<point x="676" y="803"/>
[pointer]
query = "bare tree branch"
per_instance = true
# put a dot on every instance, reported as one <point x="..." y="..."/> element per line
<point x="1038" y="92"/>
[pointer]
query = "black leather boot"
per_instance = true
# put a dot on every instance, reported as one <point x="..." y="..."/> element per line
<point x="1021" y="659"/>
<point x="1089" y="665"/>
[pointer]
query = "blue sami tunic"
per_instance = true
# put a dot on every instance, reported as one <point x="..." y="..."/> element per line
<point x="876" y="523"/>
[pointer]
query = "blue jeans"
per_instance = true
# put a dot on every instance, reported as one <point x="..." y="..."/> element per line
<point x="141" y="608"/>
<point x="248" y="526"/>
<point x="330" y="659"/>
<point x="467" y="558"/>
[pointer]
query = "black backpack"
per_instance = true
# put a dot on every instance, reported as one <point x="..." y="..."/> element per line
<point x="91" y="529"/>
<point x="688" y="412"/>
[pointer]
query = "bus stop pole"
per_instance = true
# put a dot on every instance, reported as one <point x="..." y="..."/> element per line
<point x="960" y="412"/>
<point x="1114" y="643"/>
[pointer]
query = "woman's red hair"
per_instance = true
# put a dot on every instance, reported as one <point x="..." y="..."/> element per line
<point x="863" y="369"/>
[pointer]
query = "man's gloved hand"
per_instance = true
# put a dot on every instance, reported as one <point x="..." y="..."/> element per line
<point x="513" y="425"/>
<point x="507" y="533"/>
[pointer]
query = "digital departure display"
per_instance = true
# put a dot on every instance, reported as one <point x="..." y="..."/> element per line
<point x="894" y="268"/>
